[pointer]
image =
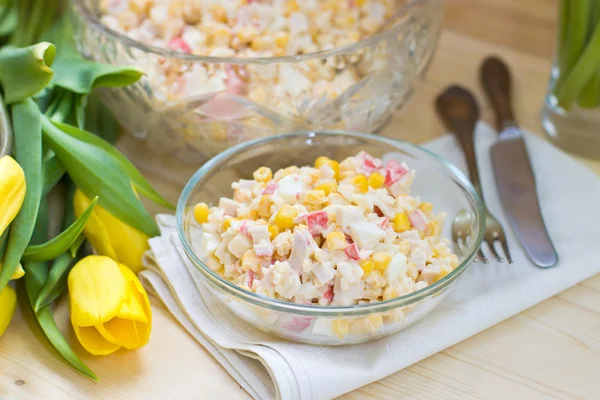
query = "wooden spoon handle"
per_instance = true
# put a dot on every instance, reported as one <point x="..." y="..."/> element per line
<point x="496" y="80"/>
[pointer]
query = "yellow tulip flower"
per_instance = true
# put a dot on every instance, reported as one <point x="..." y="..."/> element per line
<point x="110" y="236"/>
<point x="109" y="306"/>
<point x="12" y="193"/>
<point x="8" y="304"/>
<point x="12" y="190"/>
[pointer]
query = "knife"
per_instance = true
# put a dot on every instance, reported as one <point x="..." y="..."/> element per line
<point x="512" y="169"/>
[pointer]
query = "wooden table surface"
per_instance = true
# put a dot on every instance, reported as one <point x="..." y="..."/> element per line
<point x="549" y="351"/>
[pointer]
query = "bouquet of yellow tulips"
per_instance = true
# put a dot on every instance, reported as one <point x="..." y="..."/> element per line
<point x="48" y="91"/>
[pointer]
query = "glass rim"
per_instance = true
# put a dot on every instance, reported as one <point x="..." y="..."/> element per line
<point x="94" y="22"/>
<point x="315" y="310"/>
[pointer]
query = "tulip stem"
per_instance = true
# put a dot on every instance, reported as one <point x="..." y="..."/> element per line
<point x="28" y="153"/>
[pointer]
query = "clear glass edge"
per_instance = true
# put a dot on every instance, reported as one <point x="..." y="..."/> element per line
<point x="84" y="11"/>
<point x="326" y="311"/>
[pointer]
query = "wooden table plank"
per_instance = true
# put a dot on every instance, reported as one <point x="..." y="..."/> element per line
<point x="550" y="351"/>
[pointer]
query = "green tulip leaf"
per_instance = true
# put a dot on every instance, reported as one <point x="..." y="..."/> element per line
<point x="80" y="106"/>
<point x="3" y="238"/>
<point x="138" y="180"/>
<point x="35" y="275"/>
<point x="28" y="153"/>
<point x="25" y="71"/>
<point x="98" y="173"/>
<point x="62" y="242"/>
<point x="53" y="172"/>
<point x="58" y="290"/>
<point x="56" y="278"/>
<point x="75" y="73"/>
<point x="76" y="245"/>
<point x="79" y="75"/>
<point x="8" y="18"/>
<point x="100" y="121"/>
<point x="61" y="106"/>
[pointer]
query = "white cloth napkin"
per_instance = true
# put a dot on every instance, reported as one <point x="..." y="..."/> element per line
<point x="269" y="367"/>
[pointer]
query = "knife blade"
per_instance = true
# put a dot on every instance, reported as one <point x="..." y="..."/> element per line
<point x="513" y="172"/>
<point x="516" y="185"/>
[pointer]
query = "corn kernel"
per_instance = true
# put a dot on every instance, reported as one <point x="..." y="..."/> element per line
<point x="426" y="207"/>
<point x="432" y="228"/>
<point x="329" y="5"/>
<point x="327" y="187"/>
<point x="264" y="206"/>
<point x="336" y="241"/>
<point x="401" y="222"/>
<point x="273" y="231"/>
<point x="263" y="174"/>
<point x="376" y="180"/>
<point x="201" y="212"/>
<point x="313" y="31"/>
<point x="361" y="183"/>
<point x="250" y="261"/>
<point x="227" y="223"/>
<point x="218" y="13"/>
<point x="315" y="197"/>
<point x="381" y="259"/>
<point x="340" y="328"/>
<point x="280" y="174"/>
<point x="282" y="39"/>
<point x="285" y="217"/>
<point x="291" y="6"/>
<point x="374" y="322"/>
<point x="220" y="37"/>
<point x="246" y="34"/>
<point x="390" y="293"/>
<point x="261" y="43"/>
<point x="334" y="165"/>
<point x="367" y="266"/>
<point x="254" y="215"/>
<point x="345" y="21"/>
<point x="360" y="3"/>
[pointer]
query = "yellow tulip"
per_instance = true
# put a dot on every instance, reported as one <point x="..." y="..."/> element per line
<point x="8" y="304"/>
<point x="12" y="190"/>
<point x="110" y="236"/>
<point x="109" y="306"/>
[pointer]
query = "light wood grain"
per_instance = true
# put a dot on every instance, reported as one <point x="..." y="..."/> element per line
<point x="551" y="351"/>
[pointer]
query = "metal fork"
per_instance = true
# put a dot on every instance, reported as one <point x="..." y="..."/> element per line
<point x="459" y="111"/>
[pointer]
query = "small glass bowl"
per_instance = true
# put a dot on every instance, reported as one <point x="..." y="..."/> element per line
<point x="436" y="181"/>
<point x="176" y="113"/>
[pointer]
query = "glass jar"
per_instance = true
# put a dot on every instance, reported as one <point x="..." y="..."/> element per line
<point x="571" y="113"/>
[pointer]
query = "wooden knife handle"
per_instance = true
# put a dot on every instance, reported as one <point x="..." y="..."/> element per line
<point x="495" y="78"/>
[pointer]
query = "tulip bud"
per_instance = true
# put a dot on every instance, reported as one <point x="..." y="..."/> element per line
<point x="109" y="306"/>
<point x="12" y="190"/>
<point x="110" y="236"/>
<point x="8" y="303"/>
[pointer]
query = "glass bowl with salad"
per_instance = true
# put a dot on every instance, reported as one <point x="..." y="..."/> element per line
<point x="218" y="73"/>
